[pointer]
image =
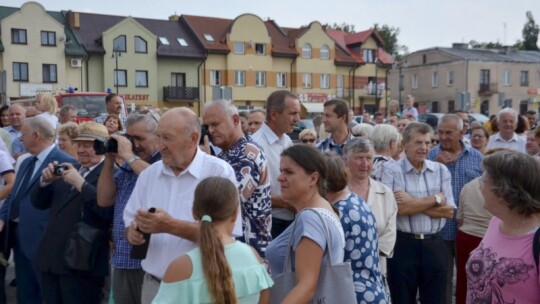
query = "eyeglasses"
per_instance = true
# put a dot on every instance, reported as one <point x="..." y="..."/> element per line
<point x="310" y="140"/>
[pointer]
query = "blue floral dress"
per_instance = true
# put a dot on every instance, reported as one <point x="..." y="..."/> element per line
<point x="362" y="249"/>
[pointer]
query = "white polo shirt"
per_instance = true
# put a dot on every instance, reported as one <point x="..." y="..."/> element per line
<point x="158" y="186"/>
<point x="516" y="143"/>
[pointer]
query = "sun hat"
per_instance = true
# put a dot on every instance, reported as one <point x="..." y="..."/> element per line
<point x="90" y="131"/>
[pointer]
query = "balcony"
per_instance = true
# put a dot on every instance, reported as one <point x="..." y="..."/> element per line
<point x="487" y="89"/>
<point x="180" y="93"/>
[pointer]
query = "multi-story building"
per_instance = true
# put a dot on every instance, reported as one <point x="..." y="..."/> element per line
<point x="187" y="60"/>
<point x="476" y="80"/>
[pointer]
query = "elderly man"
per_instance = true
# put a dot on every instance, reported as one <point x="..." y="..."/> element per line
<point x="24" y="224"/>
<point x="70" y="196"/>
<point x="463" y="162"/>
<point x="250" y="166"/>
<point x="255" y="120"/>
<point x="283" y="111"/>
<point x="115" y="188"/>
<point x="114" y="106"/>
<point x="335" y="120"/>
<point x="168" y="185"/>
<point x="67" y="113"/>
<point x="506" y="138"/>
<point x="17" y="114"/>
<point x="424" y="198"/>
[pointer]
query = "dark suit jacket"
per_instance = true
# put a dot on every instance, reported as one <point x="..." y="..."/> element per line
<point x="31" y="220"/>
<point x="64" y="203"/>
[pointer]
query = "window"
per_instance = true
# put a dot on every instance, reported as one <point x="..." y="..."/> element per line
<point x="325" y="52"/>
<point x="141" y="79"/>
<point x="414" y="83"/>
<point x="239" y="78"/>
<point x="140" y="45"/>
<point x="119" y="43"/>
<point x="484" y="77"/>
<point x="506" y="78"/>
<point x="434" y="79"/>
<point x="238" y="47"/>
<point x="178" y="79"/>
<point x="368" y="55"/>
<point x="424" y="59"/>
<point x="281" y="80"/>
<point x="524" y="79"/>
<point x="208" y="37"/>
<point x="340" y="83"/>
<point x="306" y="80"/>
<point x="49" y="73"/>
<point x="18" y="36"/>
<point x="325" y="81"/>
<point x="260" y="79"/>
<point x="164" y="40"/>
<point x="306" y="50"/>
<point x="450" y="78"/>
<point x="259" y="49"/>
<point x="120" y="78"/>
<point x="182" y="42"/>
<point x="20" y="71"/>
<point x="48" y="38"/>
<point x="215" y="77"/>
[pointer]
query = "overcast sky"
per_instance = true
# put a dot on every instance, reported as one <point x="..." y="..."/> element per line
<point x="423" y="23"/>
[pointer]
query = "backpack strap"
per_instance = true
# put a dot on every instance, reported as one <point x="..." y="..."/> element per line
<point x="536" y="247"/>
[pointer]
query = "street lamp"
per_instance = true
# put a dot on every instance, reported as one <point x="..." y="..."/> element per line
<point x="115" y="55"/>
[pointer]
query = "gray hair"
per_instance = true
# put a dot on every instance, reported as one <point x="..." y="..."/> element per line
<point x="227" y="106"/>
<point x="451" y="117"/>
<point x="509" y="111"/>
<point x="414" y="126"/>
<point x="150" y="121"/>
<point x="382" y="136"/>
<point x="358" y="145"/>
<point x="362" y="128"/>
<point x="41" y="126"/>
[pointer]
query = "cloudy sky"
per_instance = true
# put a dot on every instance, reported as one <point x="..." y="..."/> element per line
<point x="423" y="23"/>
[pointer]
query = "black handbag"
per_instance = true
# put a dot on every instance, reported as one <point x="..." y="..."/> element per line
<point x="83" y="245"/>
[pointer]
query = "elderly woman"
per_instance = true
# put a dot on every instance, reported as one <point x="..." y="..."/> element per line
<point x="362" y="130"/>
<point x="113" y="123"/>
<point x="358" y="155"/>
<point x="479" y="138"/>
<point x="308" y="137"/>
<point x="502" y="268"/>
<point x="358" y="223"/>
<point x="302" y="184"/>
<point x="385" y="140"/>
<point x="66" y="134"/>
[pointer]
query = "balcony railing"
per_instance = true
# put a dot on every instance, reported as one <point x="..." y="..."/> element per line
<point x="180" y="93"/>
<point x="486" y="89"/>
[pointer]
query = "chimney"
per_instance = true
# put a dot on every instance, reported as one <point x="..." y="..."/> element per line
<point x="73" y="19"/>
<point x="174" y="17"/>
<point x="462" y="46"/>
<point x="506" y="50"/>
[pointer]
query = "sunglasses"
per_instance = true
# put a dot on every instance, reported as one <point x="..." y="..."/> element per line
<point x="311" y="140"/>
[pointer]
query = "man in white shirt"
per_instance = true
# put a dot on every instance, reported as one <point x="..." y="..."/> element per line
<point x="282" y="113"/>
<point x="506" y="138"/>
<point x="168" y="186"/>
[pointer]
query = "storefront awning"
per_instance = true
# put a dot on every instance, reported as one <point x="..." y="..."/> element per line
<point x="313" y="107"/>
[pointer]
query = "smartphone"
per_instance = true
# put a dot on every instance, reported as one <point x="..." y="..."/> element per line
<point x="139" y="251"/>
<point x="204" y="132"/>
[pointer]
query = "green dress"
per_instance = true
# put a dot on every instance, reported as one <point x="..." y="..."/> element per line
<point x="249" y="275"/>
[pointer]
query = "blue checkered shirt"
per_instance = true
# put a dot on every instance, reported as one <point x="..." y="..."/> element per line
<point x="328" y="144"/>
<point x="465" y="169"/>
<point x="125" y="180"/>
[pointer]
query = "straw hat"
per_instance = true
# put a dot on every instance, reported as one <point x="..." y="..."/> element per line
<point x="91" y="130"/>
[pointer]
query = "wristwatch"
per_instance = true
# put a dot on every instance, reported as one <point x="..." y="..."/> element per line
<point x="438" y="200"/>
<point x="132" y="159"/>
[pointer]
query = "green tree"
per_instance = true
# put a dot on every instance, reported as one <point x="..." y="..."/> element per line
<point x="530" y="34"/>
<point x="344" y="27"/>
<point x="485" y="45"/>
<point x="390" y="35"/>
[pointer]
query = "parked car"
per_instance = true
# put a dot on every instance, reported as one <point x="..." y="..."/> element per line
<point x="478" y="117"/>
<point x="300" y="126"/>
<point x="431" y="119"/>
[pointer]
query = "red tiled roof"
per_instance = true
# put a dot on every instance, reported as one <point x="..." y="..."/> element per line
<point x="281" y="44"/>
<point x="343" y="52"/>
<point x="217" y="27"/>
<point x="384" y="57"/>
<point x="361" y="37"/>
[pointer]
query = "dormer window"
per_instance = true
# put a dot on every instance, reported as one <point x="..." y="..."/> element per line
<point x="182" y="41"/>
<point x="208" y="37"/>
<point x="164" y="40"/>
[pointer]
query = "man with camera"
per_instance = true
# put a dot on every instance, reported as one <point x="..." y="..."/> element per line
<point x="115" y="189"/>
<point x="24" y="224"/>
<point x="70" y="195"/>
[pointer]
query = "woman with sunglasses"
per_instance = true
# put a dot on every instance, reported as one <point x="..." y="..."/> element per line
<point x="308" y="137"/>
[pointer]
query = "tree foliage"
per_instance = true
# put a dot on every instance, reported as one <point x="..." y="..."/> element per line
<point x="485" y="45"/>
<point x="530" y="34"/>
<point x="344" y="27"/>
<point x="390" y="35"/>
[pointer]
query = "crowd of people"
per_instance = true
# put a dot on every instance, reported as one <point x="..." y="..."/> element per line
<point x="172" y="214"/>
